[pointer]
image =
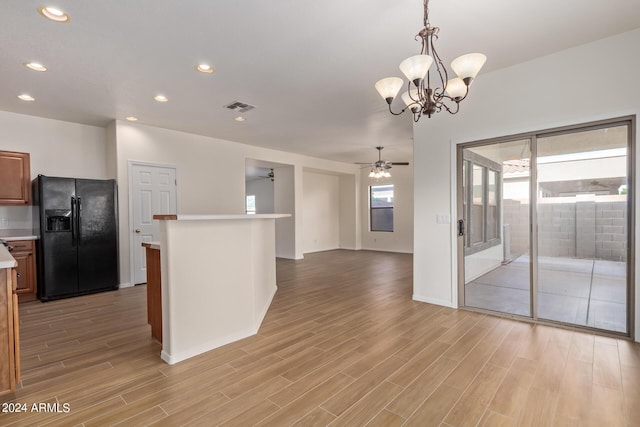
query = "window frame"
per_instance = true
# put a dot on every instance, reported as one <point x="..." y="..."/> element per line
<point x="246" y="205"/>
<point x="372" y="208"/>
<point x="470" y="159"/>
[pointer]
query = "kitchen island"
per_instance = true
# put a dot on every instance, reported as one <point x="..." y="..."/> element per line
<point x="218" y="279"/>
<point x="9" y="324"/>
<point x="154" y="289"/>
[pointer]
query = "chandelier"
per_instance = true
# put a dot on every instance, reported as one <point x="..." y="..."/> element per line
<point x="427" y="94"/>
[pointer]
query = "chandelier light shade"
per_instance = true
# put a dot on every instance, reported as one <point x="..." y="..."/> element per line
<point x="468" y="66"/>
<point x="429" y="89"/>
<point x="416" y="67"/>
<point x="389" y="87"/>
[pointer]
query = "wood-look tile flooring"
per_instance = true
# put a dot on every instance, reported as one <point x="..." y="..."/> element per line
<point x="342" y="344"/>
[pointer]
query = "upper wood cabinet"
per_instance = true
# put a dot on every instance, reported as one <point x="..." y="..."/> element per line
<point x="15" y="178"/>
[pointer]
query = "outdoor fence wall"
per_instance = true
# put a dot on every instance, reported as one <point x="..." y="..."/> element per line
<point x="571" y="227"/>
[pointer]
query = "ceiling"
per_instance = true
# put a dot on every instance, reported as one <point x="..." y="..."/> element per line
<point x="308" y="66"/>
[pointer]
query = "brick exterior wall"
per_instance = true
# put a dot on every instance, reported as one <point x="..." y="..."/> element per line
<point x="582" y="229"/>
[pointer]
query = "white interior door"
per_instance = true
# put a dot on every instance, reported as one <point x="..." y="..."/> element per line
<point x="153" y="190"/>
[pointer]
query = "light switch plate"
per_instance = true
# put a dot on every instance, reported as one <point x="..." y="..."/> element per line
<point x="443" y="219"/>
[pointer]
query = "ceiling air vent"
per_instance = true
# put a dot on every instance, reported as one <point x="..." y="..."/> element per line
<point x="240" y="107"/>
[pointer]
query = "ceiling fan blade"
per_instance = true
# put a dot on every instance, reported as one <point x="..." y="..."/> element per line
<point x="399" y="163"/>
<point x="362" y="163"/>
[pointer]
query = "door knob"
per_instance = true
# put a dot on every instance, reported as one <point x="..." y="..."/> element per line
<point x="137" y="231"/>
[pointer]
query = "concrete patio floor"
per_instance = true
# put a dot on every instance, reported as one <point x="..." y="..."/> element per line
<point x="578" y="291"/>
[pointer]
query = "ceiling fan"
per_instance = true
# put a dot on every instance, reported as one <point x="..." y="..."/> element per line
<point x="380" y="168"/>
<point x="270" y="175"/>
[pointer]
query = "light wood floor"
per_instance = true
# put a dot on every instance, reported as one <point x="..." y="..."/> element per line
<point x="343" y="344"/>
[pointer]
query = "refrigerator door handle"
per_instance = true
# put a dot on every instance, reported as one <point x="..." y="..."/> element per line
<point x="78" y="218"/>
<point x="73" y="221"/>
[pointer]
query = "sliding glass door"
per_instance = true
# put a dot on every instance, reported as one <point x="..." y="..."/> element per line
<point x="495" y="187"/>
<point x="582" y="210"/>
<point x="545" y="226"/>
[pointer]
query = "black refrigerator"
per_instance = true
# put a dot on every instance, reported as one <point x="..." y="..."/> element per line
<point x="78" y="246"/>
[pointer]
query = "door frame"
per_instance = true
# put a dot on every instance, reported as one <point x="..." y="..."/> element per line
<point x="130" y="165"/>
<point x="456" y="199"/>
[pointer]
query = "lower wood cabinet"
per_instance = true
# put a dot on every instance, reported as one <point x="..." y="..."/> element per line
<point x="24" y="254"/>
<point x="9" y="332"/>
<point x="154" y="292"/>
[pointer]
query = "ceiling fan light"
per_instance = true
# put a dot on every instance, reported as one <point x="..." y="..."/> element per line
<point x="372" y="174"/>
<point x="456" y="88"/>
<point x="416" y="67"/>
<point x="468" y="66"/>
<point x="389" y="87"/>
<point x="386" y="174"/>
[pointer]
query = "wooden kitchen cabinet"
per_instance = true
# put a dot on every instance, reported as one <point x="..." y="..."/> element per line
<point x="9" y="332"/>
<point x="23" y="252"/>
<point x="154" y="291"/>
<point x="15" y="176"/>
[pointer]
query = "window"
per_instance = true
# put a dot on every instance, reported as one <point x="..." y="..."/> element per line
<point x="381" y="207"/>
<point x="251" y="204"/>
<point x="481" y="192"/>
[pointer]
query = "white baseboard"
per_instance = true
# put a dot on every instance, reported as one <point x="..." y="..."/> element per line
<point x="172" y="359"/>
<point x="265" y="309"/>
<point x="434" y="301"/>
<point x="288" y="257"/>
<point x="386" y="250"/>
<point x="125" y="285"/>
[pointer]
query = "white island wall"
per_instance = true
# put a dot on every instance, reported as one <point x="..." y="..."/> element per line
<point x="218" y="279"/>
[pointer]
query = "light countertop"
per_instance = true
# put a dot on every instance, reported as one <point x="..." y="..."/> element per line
<point x="18" y="234"/>
<point x="181" y="217"/>
<point x="151" y="245"/>
<point x="6" y="260"/>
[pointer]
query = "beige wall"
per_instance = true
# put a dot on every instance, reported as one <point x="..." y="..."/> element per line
<point x="321" y="213"/>
<point x="211" y="177"/>
<point x="56" y="148"/>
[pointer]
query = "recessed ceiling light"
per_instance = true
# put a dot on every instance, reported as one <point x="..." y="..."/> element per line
<point x="205" y="68"/>
<point x="132" y="118"/>
<point x="26" y="97"/>
<point x="239" y="119"/>
<point x="35" y="66"/>
<point x="161" y="98"/>
<point x="53" y="14"/>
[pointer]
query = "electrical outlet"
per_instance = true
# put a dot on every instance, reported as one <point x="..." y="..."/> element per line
<point x="4" y="223"/>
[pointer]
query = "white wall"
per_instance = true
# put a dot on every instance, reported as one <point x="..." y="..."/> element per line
<point x="56" y="148"/>
<point x="350" y="213"/>
<point x="401" y="239"/>
<point x="480" y="263"/>
<point x="203" y="188"/>
<point x="263" y="190"/>
<point x="560" y="89"/>
<point x="321" y="212"/>
<point x="285" y="202"/>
